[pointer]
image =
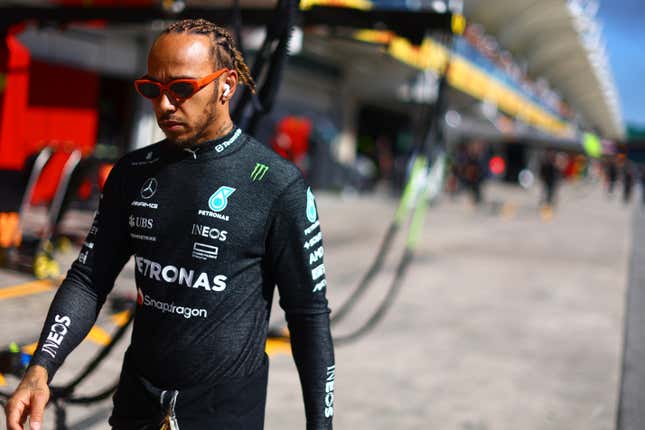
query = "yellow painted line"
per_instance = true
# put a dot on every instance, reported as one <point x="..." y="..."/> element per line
<point x="29" y="349"/>
<point x="546" y="213"/>
<point x="29" y="288"/>
<point x="278" y="346"/>
<point x="508" y="211"/>
<point x="120" y="318"/>
<point x="98" y="335"/>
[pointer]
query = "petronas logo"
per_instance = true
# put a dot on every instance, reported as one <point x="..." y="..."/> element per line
<point x="312" y="215"/>
<point x="259" y="171"/>
<point x="219" y="199"/>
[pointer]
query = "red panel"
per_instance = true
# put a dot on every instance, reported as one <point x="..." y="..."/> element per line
<point x="48" y="180"/>
<point x="62" y="111"/>
<point x="42" y="103"/>
<point x="291" y="138"/>
<point x="14" y="87"/>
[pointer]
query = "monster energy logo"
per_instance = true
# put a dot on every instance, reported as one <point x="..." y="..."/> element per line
<point x="259" y="171"/>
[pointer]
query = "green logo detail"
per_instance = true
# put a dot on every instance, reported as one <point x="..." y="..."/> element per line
<point x="259" y="171"/>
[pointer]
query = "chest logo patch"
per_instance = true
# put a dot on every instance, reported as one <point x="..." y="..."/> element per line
<point x="312" y="215"/>
<point x="259" y="171"/>
<point x="219" y="199"/>
<point x="149" y="188"/>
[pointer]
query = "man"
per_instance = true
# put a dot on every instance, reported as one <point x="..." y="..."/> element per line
<point x="550" y="175"/>
<point x="214" y="221"/>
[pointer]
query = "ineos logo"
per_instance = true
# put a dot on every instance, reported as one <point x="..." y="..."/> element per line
<point x="149" y="188"/>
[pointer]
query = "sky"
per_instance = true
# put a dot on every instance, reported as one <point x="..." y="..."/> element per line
<point x="624" y="32"/>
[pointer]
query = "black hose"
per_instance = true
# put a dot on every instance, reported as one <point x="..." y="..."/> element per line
<point x="376" y="266"/>
<point x="86" y="400"/>
<point x="61" y="416"/>
<point x="261" y="58"/>
<point x="237" y="26"/>
<point x="269" y="90"/>
<point x="274" y="49"/>
<point x="385" y="304"/>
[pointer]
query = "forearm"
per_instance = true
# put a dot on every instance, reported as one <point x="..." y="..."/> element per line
<point x="71" y="316"/>
<point x="313" y="353"/>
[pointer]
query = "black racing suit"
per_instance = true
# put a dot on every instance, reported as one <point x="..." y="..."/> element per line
<point x="212" y="230"/>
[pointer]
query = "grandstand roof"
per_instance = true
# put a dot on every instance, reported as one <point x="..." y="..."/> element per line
<point x="561" y="41"/>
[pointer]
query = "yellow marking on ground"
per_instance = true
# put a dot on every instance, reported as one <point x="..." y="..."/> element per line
<point x="29" y="349"/>
<point x="29" y="288"/>
<point x="508" y="211"/>
<point x="278" y="346"/>
<point x="98" y="335"/>
<point x="3" y="381"/>
<point x="121" y="318"/>
<point x="546" y="213"/>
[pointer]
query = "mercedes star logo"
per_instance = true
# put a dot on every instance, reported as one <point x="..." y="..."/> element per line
<point x="149" y="188"/>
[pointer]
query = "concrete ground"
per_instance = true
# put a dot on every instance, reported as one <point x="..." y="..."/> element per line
<point x="505" y="320"/>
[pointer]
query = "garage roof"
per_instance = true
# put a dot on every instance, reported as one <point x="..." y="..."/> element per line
<point x="561" y="41"/>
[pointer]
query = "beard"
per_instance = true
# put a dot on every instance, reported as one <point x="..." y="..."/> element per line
<point x="188" y="141"/>
<point x="193" y="139"/>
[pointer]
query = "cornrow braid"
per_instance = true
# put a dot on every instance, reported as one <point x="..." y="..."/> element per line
<point x="223" y="46"/>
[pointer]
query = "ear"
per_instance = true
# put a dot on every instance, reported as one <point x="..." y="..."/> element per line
<point x="228" y="85"/>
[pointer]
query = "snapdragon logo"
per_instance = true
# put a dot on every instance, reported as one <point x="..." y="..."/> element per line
<point x="185" y="311"/>
<point x="179" y="276"/>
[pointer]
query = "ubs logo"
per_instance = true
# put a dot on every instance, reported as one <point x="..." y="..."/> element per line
<point x="149" y="188"/>
<point x="140" y="222"/>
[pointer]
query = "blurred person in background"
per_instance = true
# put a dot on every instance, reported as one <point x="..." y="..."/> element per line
<point x="628" y="181"/>
<point x="474" y="170"/>
<point x="215" y="220"/>
<point x="385" y="158"/>
<point x="641" y="176"/>
<point x="611" y="171"/>
<point x="550" y="176"/>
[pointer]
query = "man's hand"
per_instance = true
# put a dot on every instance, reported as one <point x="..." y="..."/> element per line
<point x="29" y="400"/>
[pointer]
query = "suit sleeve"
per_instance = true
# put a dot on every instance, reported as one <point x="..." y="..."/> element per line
<point x="80" y="297"/>
<point x="296" y="251"/>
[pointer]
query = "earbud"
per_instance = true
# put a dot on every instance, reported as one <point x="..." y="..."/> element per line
<point x="227" y="89"/>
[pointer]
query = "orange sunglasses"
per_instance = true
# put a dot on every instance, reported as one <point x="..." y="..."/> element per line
<point x="180" y="89"/>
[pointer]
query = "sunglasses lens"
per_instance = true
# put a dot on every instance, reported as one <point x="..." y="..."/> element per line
<point x="148" y="90"/>
<point x="182" y="90"/>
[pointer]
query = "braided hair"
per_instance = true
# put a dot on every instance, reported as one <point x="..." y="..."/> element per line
<point x="223" y="47"/>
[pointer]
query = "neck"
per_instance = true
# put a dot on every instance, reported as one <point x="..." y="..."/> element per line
<point x="220" y="129"/>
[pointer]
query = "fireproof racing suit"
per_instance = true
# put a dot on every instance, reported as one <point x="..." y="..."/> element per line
<point x="212" y="231"/>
